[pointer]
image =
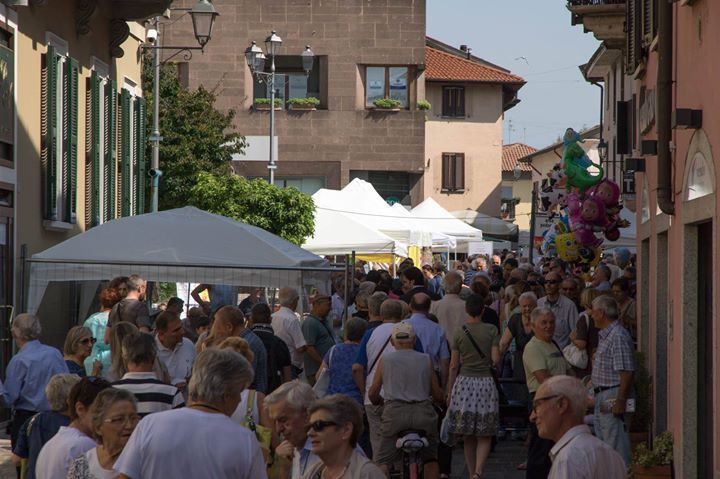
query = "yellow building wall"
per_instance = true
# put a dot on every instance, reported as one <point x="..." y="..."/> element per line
<point x="522" y="189"/>
<point x="478" y="136"/>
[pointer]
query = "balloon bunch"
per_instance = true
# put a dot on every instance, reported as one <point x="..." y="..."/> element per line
<point x="588" y="205"/>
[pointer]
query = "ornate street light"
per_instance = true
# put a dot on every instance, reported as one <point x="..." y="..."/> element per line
<point x="203" y="17"/>
<point x="602" y="150"/>
<point x="255" y="59"/>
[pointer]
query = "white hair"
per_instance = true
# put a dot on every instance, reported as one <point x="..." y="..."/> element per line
<point x="217" y="372"/>
<point x="452" y="282"/>
<point x="607" y="305"/>
<point x="27" y="327"/>
<point x="297" y="395"/>
<point x="58" y="390"/>
<point x="287" y="296"/>
<point x="570" y="388"/>
<point x="528" y="295"/>
<point x="537" y="312"/>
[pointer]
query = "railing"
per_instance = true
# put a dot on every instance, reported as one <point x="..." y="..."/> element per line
<point x="575" y="3"/>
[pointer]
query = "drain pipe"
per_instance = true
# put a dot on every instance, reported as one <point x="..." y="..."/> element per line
<point x="665" y="197"/>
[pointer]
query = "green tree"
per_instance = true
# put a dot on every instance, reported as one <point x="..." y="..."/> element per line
<point x="286" y="212"/>
<point x="196" y="136"/>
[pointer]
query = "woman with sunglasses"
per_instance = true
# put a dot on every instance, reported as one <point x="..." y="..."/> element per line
<point x="78" y="346"/>
<point x="336" y="423"/>
<point x="113" y="417"/>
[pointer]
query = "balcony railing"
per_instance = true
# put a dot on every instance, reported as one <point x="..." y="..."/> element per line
<point x="575" y="3"/>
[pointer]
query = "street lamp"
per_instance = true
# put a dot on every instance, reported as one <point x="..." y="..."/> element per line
<point x="255" y="59"/>
<point x="203" y="16"/>
<point x="602" y="150"/>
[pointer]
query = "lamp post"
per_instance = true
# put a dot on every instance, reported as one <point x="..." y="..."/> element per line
<point x="602" y="154"/>
<point x="256" y="62"/>
<point x="203" y="16"/>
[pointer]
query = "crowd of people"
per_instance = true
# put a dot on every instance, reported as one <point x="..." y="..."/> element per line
<point x="250" y="390"/>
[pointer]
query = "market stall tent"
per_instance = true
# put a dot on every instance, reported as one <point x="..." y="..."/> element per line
<point x="440" y="241"/>
<point x="441" y="220"/>
<point x="180" y="245"/>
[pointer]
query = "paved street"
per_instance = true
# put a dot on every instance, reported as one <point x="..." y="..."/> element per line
<point x="7" y="471"/>
<point x="502" y="463"/>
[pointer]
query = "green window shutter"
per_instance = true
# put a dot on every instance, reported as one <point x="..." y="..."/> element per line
<point x="49" y="133"/>
<point x="110" y="138"/>
<point x="71" y="141"/>
<point x="96" y="141"/>
<point x="140" y="166"/>
<point x="126" y="152"/>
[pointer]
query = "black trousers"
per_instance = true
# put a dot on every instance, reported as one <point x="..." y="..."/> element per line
<point x="18" y="419"/>
<point x="538" y="460"/>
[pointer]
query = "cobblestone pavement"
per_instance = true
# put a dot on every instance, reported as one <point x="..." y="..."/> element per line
<point x="7" y="470"/>
<point x="502" y="463"/>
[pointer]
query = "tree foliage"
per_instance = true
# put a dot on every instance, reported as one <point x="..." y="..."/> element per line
<point x="196" y="136"/>
<point x="286" y="212"/>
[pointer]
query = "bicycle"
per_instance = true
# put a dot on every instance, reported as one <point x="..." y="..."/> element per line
<point x="411" y="442"/>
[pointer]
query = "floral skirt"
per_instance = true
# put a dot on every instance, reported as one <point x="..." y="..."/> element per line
<point x="474" y="409"/>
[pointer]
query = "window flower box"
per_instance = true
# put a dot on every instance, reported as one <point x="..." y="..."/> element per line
<point x="303" y="104"/>
<point x="386" y="104"/>
<point x="263" y="104"/>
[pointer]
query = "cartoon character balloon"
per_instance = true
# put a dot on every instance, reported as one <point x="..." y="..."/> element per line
<point x="576" y="163"/>
<point x="588" y="220"/>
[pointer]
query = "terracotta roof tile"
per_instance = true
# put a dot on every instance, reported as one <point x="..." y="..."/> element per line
<point x="512" y="153"/>
<point x="440" y="65"/>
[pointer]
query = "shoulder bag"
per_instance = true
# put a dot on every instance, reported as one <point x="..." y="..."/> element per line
<point x="575" y="356"/>
<point x="502" y="399"/>
<point x="262" y="433"/>
<point x="323" y="382"/>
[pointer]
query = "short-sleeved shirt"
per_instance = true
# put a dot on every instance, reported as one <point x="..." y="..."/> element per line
<point x="152" y="394"/>
<point x="486" y="336"/>
<point x="220" y="448"/>
<point x="318" y="335"/>
<point x="179" y="361"/>
<point x="75" y="368"/>
<point x="286" y="325"/>
<point x="36" y="431"/>
<point x="614" y="354"/>
<point x="259" y="362"/>
<point x="540" y="355"/>
<point x="339" y="361"/>
<point x="57" y="454"/>
<point x="432" y="336"/>
<point x="566" y="317"/>
<point x="131" y="311"/>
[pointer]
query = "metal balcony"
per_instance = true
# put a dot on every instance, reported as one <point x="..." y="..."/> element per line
<point x="604" y="18"/>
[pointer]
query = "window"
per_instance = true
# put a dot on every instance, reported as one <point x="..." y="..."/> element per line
<point x="132" y="151"/>
<point x="386" y="82"/>
<point x="507" y="203"/>
<point x="453" y="172"/>
<point x="101" y="166"/>
<point x="308" y="185"/>
<point x="7" y="98"/>
<point x="59" y="128"/>
<point x="453" y="103"/>
<point x="291" y="81"/>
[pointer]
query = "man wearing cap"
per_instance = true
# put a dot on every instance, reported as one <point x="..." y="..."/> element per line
<point x="407" y="399"/>
<point x="318" y="335"/>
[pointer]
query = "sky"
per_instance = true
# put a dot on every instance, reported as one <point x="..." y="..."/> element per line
<point x="533" y="39"/>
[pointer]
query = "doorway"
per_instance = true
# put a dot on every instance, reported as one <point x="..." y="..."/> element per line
<point x="705" y="416"/>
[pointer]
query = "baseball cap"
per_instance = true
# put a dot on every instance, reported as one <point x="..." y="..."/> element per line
<point x="403" y="331"/>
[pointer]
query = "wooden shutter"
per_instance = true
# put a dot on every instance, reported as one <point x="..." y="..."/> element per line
<point x="97" y="135"/>
<point x="446" y="172"/>
<point x="110" y="163"/>
<point x="71" y="141"/>
<point x="141" y="167"/>
<point x="125" y="153"/>
<point x="453" y="101"/>
<point x="633" y="28"/>
<point x="459" y="172"/>
<point x="49" y="133"/>
<point x="622" y="140"/>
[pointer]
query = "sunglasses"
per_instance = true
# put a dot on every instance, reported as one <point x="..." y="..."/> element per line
<point x="88" y="340"/>
<point x="319" y="425"/>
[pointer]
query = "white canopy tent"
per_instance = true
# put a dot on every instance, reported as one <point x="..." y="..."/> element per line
<point x="361" y="202"/>
<point x="440" y="241"/>
<point x="180" y="245"/>
<point x="339" y="234"/>
<point x="628" y="236"/>
<point x="439" y="219"/>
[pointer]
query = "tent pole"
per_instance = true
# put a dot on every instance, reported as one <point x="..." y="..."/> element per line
<point x="347" y="289"/>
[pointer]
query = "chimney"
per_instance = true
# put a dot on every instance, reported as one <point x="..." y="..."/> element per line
<point x="466" y="49"/>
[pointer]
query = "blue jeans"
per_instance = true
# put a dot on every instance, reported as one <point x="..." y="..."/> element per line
<point x="611" y="429"/>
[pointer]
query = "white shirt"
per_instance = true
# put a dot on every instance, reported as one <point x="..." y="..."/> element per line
<point x="374" y="346"/>
<point x="241" y="410"/>
<point x="286" y="325"/>
<point x="179" y="361"/>
<point x="94" y="469"/>
<point x="580" y="455"/>
<point x="187" y="442"/>
<point x="57" y="454"/>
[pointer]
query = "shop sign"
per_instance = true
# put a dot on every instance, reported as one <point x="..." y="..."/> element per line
<point x="628" y="188"/>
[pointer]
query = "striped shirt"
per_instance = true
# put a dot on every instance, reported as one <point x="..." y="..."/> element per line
<point x="152" y="394"/>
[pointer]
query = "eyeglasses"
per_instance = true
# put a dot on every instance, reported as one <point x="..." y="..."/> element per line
<point x="536" y="403"/>
<point x="88" y="340"/>
<point x="319" y="425"/>
<point x="120" y="421"/>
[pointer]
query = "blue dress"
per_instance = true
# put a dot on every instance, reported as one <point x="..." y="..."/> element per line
<point x="97" y="324"/>
<point x="75" y="368"/>
<point x="340" y="369"/>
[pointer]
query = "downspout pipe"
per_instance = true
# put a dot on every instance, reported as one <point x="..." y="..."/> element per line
<point x="665" y="197"/>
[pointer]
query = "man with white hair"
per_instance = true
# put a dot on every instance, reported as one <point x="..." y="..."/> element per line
<point x="286" y="325"/>
<point x="29" y="372"/>
<point x="612" y="375"/>
<point x="558" y="411"/>
<point x="199" y="440"/>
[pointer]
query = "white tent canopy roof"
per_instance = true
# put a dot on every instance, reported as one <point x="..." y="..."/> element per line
<point x="441" y="220"/>
<point x="361" y="202"/>
<point x="180" y="245"/>
<point x="439" y="240"/>
<point x="339" y="234"/>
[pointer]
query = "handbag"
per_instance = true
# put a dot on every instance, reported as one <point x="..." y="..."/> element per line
<point x="323" y="382"/>
<point x="575" y="356"/>
<point x="262" y="433"/>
